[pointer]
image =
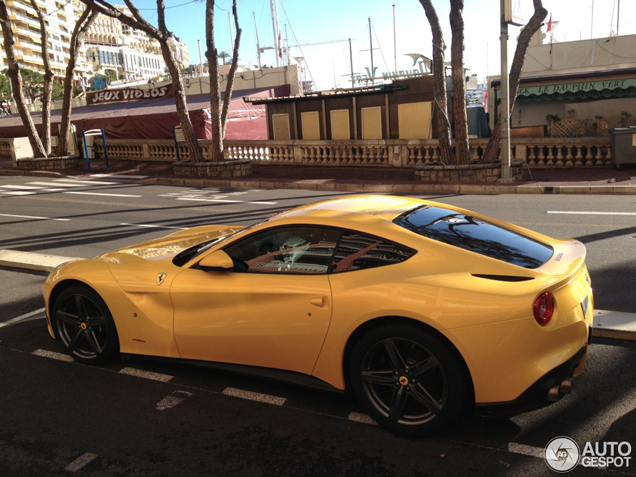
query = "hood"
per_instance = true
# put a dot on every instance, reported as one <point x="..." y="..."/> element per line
<point x="170" y="245"/>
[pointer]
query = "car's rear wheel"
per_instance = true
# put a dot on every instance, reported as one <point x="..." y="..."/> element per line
<point x="409" y="380"/>
<point x="84" y="326"/>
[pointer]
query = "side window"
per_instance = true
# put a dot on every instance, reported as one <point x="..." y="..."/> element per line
<point x="303" y="250"/>
<point x="357" y="251"/>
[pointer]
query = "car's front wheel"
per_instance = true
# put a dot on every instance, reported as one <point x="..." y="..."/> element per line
<point x="409" y="380"/>
<point x="85" y="326"/>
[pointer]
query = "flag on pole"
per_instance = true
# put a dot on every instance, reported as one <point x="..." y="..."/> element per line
<point x="550" y="23"/>
<point x="280" y="50"/>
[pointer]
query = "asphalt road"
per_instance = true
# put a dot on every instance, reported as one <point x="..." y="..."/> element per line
<point x="141" y="417"/>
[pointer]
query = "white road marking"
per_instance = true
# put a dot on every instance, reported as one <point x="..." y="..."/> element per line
<point x="75" y="181"/>
<point x="229" y="201"/>
<point x="118" y="176"/>
<point x="523" y="449"/>
<point x="33" y="217"/>
<point x="172" y="400"/>
<point x="152" y="226"/>
<point x="25" y="187"/>
<point x="103" y="194"/>
<point x="573" y="212"/>
<point x="54" y="184"/>
<point x="17" y="192"/>
<point x="24" y="317"/>
<point x="25" y="190"/>
<point x="363" y="418"/>
<point x="81" y="462"/>
<point x="53" y="355"/>
<point x="138" y="373"/>
<point x="252" y="396"/>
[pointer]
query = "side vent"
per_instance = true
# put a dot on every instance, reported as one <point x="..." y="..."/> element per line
<point x="502" y="278"/>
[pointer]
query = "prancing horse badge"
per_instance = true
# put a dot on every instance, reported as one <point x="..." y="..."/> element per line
<point x="161" y="277"/>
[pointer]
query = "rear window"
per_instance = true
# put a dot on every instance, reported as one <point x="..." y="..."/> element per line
<point x="476" y="235"/>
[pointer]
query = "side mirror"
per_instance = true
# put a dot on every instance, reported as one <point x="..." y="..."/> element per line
<point x="217" y="261"/>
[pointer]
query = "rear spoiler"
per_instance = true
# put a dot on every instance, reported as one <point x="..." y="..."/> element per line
<point x="567" y="259"/>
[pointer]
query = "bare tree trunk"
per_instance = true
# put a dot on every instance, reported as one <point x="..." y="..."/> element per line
<point x="492" y="149"/>
<point x="212" y="56"/>
<point x="232" y="73"/>
<point x="460" y="122"/>
<point x="442" y="124"/>
<point x="81" y="27"/>
<point x="48" y="81"/>
<point x="16" y="82"/>
<point x="162" y="35"/>
<point x="196" y="154"/>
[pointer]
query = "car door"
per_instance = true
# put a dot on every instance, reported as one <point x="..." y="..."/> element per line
<point x="272" y="310"/>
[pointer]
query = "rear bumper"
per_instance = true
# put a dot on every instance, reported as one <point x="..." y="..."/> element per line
<point x="539" y="394"/>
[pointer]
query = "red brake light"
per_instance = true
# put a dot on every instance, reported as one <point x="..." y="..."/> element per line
<point x="543" y="308"/>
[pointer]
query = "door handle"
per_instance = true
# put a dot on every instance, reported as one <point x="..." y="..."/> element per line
<point x="321" y="302"/>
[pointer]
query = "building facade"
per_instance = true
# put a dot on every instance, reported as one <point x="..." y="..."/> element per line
<point x="108" y="45"/>
<point x="589" y="83"/>
<point x="131" y="53"/>
<point x="25" y="25"/>
<point x="400" y="110"/>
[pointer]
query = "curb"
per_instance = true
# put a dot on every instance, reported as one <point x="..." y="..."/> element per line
<point x="32" y="261"/>
<point x="613" y="325"/>
<point x="399" y="188"/>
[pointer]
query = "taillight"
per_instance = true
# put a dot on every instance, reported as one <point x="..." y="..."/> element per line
<point x="543" y="308"/>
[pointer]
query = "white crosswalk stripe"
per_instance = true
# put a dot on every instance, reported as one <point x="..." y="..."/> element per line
<point x="64" y="185"/>
<point x="76" y="181"/>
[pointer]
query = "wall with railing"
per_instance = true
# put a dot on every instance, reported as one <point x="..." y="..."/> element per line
<point x="544" y="153"/>
<point x="538" y="152"/>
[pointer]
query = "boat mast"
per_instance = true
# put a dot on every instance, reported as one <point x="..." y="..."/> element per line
<point x="258" y="45"/>
<point x="274" y="10"/>
<point x="371" y="51"/>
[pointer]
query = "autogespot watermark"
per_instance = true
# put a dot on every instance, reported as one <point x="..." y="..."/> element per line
<point x="563" y="454"/>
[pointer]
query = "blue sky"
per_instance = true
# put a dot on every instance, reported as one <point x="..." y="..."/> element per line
<point x="331" y="20"/>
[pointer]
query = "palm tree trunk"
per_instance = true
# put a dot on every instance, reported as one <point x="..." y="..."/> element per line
<point x="48" y="81"/>
<point x="215" y="94"/>
<point x="81" y="27"/>
<point x="196" y="155"/>
<point x="16" y="82"/>
<point x="492" y="149"/>
<point x="460" y="122"/>
<point x="232" y="73"/>
<point x="441" y="122"/>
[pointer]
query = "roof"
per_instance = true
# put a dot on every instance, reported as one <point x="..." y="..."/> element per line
<point x="381" y="206"/>
<point x="340" y="93"/>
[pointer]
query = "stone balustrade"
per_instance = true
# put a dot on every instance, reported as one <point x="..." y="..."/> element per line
<point x="543" y="153"/>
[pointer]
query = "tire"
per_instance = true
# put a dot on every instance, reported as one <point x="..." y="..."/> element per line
<point x="84" y="326"/>
<point x="408" y="380"/>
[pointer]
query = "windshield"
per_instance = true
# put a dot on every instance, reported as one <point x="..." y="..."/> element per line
<point x="477" y="235"/>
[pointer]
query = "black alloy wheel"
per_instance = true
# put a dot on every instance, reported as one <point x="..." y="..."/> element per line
<point x="85" y="326"/>
<point x="408" y="380"/>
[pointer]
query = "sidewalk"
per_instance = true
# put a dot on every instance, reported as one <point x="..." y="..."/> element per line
<point x="358" y="179"/>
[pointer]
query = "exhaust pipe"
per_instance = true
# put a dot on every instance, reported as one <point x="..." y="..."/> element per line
<point x="560" y="390"/>
<point x="566" y="387"/>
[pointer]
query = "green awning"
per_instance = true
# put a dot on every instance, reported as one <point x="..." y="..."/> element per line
<point x="606" y="89"/>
